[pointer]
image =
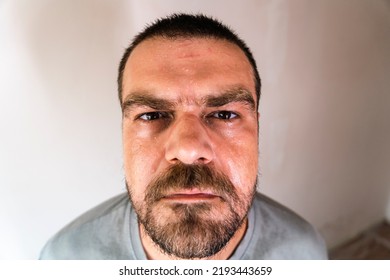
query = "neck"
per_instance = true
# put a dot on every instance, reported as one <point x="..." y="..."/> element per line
<point x="153" y="251"/>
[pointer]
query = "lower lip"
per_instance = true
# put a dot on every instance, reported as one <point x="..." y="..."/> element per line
<point x="190" y="197"/>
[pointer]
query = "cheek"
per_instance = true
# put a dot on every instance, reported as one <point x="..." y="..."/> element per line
<point x="243" y="171"/>
<point x="138" y="163"/>
<point x="241" y="161"/>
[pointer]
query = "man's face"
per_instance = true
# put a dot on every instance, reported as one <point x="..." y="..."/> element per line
<point x="190" y="136"/>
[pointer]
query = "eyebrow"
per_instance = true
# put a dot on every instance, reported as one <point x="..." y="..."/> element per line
<point x="238" y="94"/>
<point x="146" y="99"/>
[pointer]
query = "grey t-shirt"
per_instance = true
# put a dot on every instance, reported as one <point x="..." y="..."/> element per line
<point x="110" y="231"/>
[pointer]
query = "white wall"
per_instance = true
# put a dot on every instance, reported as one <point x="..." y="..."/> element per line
<point x="326" y="113"/>
<point x="388" y="210"/>
<point x="325" y="108"/>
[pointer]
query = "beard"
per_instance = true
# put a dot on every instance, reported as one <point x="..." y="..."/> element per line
<point x="192" y="230"/>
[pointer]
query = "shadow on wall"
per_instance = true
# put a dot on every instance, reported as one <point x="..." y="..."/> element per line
<point x="62" y="139"/>
<point x="73" y="35"/>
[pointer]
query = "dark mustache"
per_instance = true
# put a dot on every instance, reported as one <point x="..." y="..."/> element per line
<point x="182" y="176"/>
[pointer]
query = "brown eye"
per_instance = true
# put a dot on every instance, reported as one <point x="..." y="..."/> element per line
<point x="152" y="116"/>
<point x="224" y="115"/>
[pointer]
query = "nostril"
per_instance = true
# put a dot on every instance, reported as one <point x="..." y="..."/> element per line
<point x="189" y="153"/>
<point x="202" y="159"/>
<point x="188" y="142"/>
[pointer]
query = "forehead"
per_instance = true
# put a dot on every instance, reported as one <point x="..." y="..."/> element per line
<point x="187" y="63"/>
<point x="183" y="47"/>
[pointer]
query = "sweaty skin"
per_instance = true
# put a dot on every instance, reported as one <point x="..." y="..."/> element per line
<point x="190" y="101"/>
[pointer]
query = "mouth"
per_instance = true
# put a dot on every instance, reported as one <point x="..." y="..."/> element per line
<point x="191" y="196"/>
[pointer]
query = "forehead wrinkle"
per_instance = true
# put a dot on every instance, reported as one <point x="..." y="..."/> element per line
<point x="147" y="99"/>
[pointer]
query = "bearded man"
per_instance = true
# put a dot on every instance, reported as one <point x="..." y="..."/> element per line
<point x="189" y="90"/>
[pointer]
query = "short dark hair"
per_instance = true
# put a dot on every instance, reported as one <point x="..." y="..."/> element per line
<point x="189" y="26"/>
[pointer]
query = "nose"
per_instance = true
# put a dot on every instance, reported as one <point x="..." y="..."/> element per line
<point x="189" y="142"/>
